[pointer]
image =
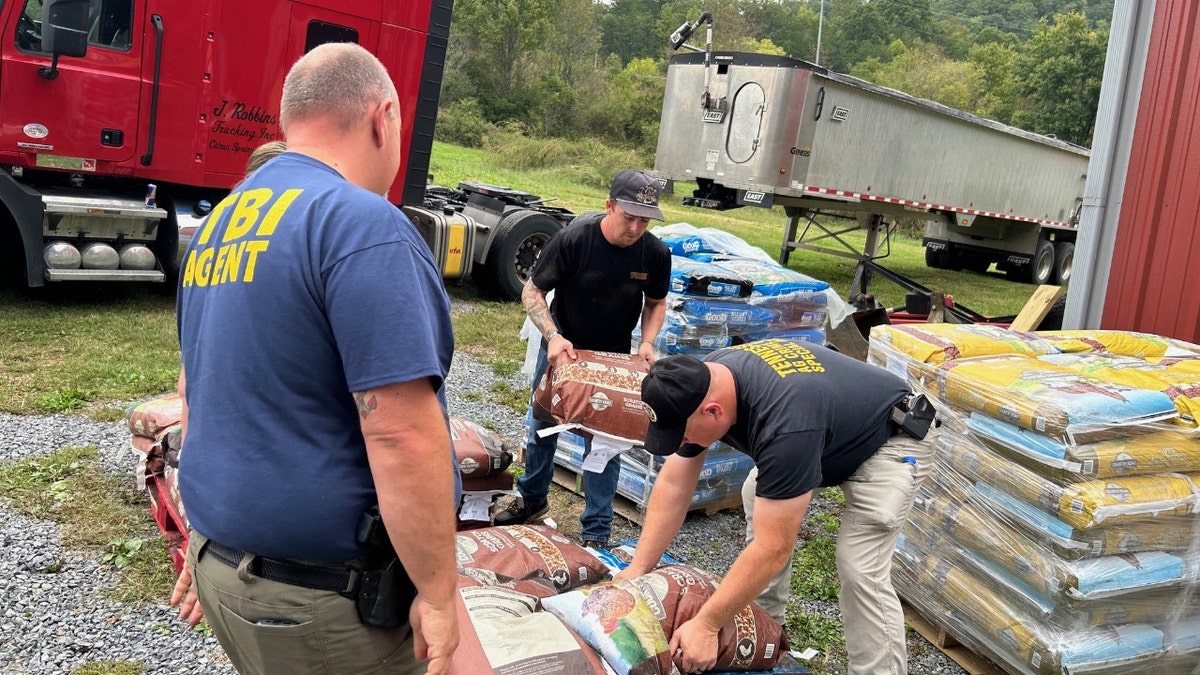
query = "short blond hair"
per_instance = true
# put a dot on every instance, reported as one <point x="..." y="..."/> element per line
<point x="339" y="80"/>
<point x="263" y="154"/>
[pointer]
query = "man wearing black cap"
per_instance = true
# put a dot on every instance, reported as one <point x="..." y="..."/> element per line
<point x="605" y="275"/>
<point x="809" y="417"/>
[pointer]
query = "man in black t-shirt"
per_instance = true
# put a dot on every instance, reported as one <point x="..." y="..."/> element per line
<point x="809" y="417"/>
<point x="605" y="274"/>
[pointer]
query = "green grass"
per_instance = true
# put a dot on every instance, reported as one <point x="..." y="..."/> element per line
<point x="488" y="329"/>
<point x="814" y="570"/>
<point x="111" y="668"/>
<point x="97" y="513"/>
<point x="821" y="633"/>
<point x="814" y="577"/>
<point x="66" y="350"/>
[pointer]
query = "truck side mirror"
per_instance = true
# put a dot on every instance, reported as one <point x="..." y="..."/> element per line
<point x="65" y="26"/>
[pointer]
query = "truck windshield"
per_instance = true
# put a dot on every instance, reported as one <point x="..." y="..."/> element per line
<point x="111" y="21"/>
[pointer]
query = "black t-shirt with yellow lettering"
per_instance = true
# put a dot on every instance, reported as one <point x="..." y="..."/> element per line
<point x="808" y="415"/>
<point x="598" y="287"/>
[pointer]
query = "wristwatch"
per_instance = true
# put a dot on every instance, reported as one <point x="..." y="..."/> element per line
<point x="551" y="334"/>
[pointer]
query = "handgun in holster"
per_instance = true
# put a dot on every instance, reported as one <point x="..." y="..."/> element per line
<point x="384" y="592"/>
<point x="913" y="415"/>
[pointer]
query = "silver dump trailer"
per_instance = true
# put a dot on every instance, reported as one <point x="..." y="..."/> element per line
<point x="755" y="129"/>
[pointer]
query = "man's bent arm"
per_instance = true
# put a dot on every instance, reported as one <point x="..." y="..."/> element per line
<point x="408" y="448"/>
<point x="654" y="312"/>
<point x="665" y="511"/>
<point x="776" y="524"/>
<point x="533" y="299"/>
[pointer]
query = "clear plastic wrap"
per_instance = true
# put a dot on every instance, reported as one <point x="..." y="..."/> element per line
<point x="706" y="279"/>
<point x="770" y="279"/>
<point x="1058" y="532"/>
<point x="1181" y="385"/>
<point x="1120" y="342"/>
<point x="700" y="325"/>
<point x="678" y="336"/>
<point x="722" y="475"/>
<point x="686" y="239"/>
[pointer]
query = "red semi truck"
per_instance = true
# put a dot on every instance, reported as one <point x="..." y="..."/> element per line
<point x="122" y="121"/>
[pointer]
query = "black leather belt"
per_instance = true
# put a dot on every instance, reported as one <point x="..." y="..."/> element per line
<point x="317" y="577"/>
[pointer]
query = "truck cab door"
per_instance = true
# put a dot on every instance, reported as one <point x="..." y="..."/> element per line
<point x="88" y="112"/>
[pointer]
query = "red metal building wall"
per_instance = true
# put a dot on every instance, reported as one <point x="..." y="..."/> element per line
<point x="1153" y="286"/>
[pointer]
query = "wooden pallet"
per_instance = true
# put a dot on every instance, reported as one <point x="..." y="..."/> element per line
<point x="628" y="508"/>
<point x="949" y="645"/>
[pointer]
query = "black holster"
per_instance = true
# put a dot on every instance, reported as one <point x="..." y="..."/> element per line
<point x="384" y="592"/>
<point x="384" y="595"/>
<point x="913" y="416"/>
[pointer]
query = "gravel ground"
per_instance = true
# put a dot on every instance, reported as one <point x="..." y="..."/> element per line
<point x="54" y="617"/>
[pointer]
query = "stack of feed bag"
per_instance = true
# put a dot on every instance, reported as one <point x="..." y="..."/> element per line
<point x="724" y="471"/>
<point x="1058" y="532"/>
<point x="156" y="435"/>
<point x="530" y="600"/>
<point x="483" y="460"/>
<point x="726" y="292"/>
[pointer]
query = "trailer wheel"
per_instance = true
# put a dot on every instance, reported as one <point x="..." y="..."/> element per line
<point x="520" y="236"/>
<point x="1040" y="270"/>
<point x="1064" y="260"/>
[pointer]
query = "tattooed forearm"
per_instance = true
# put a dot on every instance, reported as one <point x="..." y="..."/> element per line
<point x="366" y="403"/>
<point x="534" y="301"/>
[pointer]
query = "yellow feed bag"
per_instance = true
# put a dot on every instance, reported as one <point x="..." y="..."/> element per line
<point x="1182" y="386"/>
<point x="1125" y="343"/>
<point x="1049" y="399"/>
<point x="940" y="342"/>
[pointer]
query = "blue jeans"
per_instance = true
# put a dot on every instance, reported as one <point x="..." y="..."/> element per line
<point x="598" y="488"/>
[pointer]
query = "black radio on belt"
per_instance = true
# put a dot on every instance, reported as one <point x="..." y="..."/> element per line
<point x="384" y="591"/>
<point x="913" y="415"/>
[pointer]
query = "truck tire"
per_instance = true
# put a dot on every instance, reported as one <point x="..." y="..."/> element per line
<point x="1064" y="260"/>
<point x="1040" y="270"/>
<point x="938" y="258"/>
<point x="519" y="238"/>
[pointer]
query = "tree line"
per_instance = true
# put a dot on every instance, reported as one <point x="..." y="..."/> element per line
<point x="595" y="69"/>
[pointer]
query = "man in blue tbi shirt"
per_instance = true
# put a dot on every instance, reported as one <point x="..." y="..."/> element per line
<point x="315" y="335"/>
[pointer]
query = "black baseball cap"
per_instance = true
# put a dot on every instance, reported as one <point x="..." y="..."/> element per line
<point x="671" y="392"/>
<point x="637" y="193"/>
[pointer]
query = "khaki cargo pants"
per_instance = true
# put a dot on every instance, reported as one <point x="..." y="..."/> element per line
<point x="879" y="496"/>
<point x="271" y="628"/>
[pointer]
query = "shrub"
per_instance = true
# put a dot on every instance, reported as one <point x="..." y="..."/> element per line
<point x="590" y="161"/>
<point x="461" y="123"/>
